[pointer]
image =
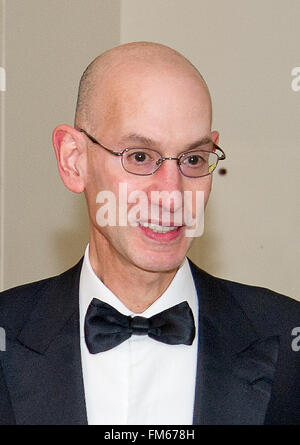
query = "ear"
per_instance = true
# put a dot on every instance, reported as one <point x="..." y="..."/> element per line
<point x="71" y="158"/>
<point x="215" y="137"/>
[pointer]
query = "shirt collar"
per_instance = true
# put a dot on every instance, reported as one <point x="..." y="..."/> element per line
<point x="181" y="288"/>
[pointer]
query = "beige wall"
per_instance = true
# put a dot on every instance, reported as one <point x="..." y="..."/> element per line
<point x="245" y="50"/>
<point x="48" y="44"/>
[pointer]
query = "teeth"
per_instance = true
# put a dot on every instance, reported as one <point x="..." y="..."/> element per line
<point x="157" y="228"/>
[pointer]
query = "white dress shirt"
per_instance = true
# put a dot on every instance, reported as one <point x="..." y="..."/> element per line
<point x="141" y="381"/>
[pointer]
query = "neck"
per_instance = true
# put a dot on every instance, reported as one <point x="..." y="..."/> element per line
<point x="136" y="288"/>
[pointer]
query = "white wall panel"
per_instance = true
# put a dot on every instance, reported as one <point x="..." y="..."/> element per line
<point x="246" y="51"/>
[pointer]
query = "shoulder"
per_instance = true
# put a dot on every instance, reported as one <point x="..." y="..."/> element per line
<point x="17" y="303"/>
<point x="264" y="307"/>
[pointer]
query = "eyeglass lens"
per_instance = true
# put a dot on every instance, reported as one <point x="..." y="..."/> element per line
<point x="146" y="161"/>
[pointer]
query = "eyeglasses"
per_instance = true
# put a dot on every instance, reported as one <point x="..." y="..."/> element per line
<point x="145" y="161"/>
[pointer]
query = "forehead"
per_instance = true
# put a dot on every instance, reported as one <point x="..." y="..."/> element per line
<point x="153" y="101"/>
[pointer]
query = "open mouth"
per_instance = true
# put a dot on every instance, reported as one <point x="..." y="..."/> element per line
<point x="159" y="232"/>
<point x="157" y="228"/>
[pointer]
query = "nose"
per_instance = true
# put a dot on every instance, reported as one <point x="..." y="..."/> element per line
<point x="167" y="179"/>
<point x="168" y="176"/>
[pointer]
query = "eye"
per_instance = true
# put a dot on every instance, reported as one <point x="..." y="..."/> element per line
<point x="194" y="160"/>
<point x="139" y="157"/>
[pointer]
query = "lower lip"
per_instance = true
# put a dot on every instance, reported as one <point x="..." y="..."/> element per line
<point x="162" y="237"/>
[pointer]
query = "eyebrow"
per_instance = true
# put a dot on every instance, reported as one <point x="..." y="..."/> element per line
<point x="135" y="137"/>
<point x="196" y="144"/>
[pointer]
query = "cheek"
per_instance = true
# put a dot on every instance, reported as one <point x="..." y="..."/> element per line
<point x="206" y="186"/>
<point x="207" y="191"/>
<point x="201" y="185"/>
<point x="97" y="180"/>
<point x="195" y="201"/>
<point x="104" y="172"/>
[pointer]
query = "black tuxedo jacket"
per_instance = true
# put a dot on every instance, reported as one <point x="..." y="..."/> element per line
<point x="248" y="372"/>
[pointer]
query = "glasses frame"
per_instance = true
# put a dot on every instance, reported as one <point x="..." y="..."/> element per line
<point x="161" y="159"/>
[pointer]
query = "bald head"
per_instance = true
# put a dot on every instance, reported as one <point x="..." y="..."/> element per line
<point x="104" y="76"/>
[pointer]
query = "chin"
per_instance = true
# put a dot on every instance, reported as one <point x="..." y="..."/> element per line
<point x="159" y="262"/>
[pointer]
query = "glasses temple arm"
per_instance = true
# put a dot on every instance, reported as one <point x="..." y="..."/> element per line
<point x="222" y="156"/>
<point x="98" y="143"/>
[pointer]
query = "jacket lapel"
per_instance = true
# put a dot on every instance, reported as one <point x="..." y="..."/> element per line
<point x="48" y="389"/>
<point x="235" y="365"/>
<point x="234" y="374"/>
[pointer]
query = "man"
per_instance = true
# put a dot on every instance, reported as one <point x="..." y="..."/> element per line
<point x="135" y="333"/>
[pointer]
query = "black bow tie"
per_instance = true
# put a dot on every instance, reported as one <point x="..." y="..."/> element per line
<point x="106" y="328"/>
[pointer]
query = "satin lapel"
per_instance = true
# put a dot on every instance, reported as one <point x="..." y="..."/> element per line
<point x="235" y="366"/>
<point x="48" y="389"/>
